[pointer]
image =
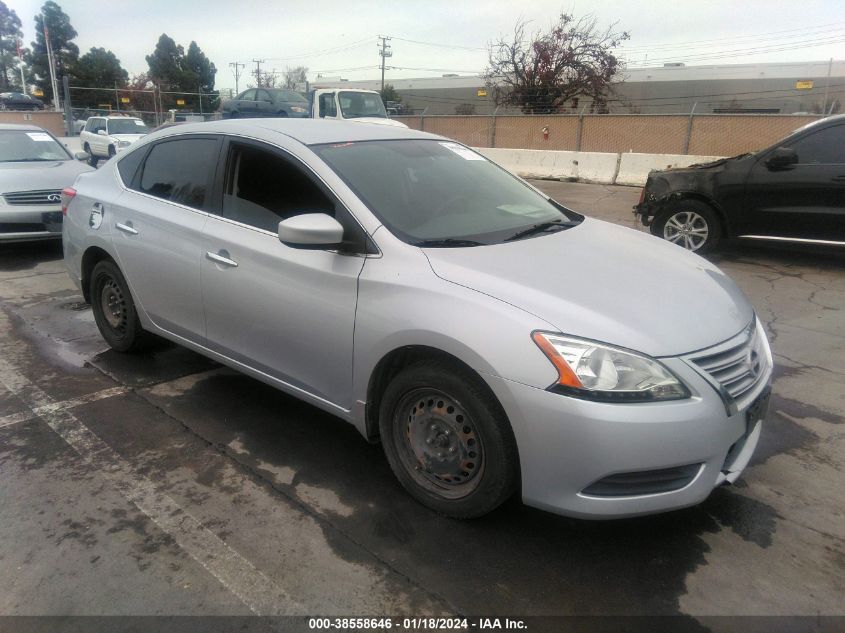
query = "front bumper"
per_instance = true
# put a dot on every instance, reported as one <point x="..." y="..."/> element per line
<point x="28" y="223"/>
<point x="567" y="444"/>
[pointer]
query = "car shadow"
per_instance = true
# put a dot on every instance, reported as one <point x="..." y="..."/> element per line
<point x="826" y="257"/>
<point x="514" y="560"/>
<point x="26" y="255"/>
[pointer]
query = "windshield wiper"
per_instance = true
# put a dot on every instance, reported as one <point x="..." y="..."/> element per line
<point x="446" y="242"/>
<point x="537" y="228"/>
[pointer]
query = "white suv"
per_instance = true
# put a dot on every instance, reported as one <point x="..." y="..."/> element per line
<point x="105" y="136"/>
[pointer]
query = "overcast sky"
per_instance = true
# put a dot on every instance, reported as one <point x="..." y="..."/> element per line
<point x="340" y="38"/>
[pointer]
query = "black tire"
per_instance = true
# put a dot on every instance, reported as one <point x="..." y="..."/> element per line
<point x="112" y="151"/>
<point x="689" y="223"/>
<point x="234" y="114"/>
<point x="282" y="114"/>
<point x="92" y="160"/>
<point x="121" y="328"/>
<point x="433" y="409"/>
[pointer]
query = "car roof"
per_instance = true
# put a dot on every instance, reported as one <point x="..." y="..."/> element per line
<point x="21" y="127"/>
<point x="306" y="131"/>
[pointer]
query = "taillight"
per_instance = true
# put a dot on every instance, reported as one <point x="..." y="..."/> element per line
<point x="68" y="193"/>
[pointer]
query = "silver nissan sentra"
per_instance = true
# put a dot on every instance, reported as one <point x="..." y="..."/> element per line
<point x="491" y="339"/>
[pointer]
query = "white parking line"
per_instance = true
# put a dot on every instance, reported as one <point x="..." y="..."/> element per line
<point x="258" y="592"/>
<point x="64" y="405"/>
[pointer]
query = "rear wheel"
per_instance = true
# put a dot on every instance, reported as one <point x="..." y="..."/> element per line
<point x="112" y="151"/>
<point x="689" y="223"/>
<point x="114" y="310"/>
<point x="282" y="114"/>
<point x="447" y="440"/>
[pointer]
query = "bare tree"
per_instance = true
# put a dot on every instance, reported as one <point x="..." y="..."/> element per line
<point x="295" y="76"/>
<point x="540" y="72"/>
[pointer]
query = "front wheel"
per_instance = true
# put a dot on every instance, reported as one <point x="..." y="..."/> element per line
<point x="689" y="223"/>
<point x="114" y="310"/>
<point x="447" y="440"/>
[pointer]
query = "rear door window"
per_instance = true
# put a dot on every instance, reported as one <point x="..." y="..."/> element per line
<point x="180" y="170"/>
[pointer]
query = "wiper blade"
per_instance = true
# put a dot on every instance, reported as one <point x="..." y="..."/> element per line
<point x="30" y="160"/>
<point x="537" y="228"/>
<point x="446" y="242"/>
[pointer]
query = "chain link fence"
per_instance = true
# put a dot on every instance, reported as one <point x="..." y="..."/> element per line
<point x="702" y="135"/>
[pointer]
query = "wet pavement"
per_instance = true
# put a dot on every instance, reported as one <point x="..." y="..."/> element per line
<point x="166" y="484"/>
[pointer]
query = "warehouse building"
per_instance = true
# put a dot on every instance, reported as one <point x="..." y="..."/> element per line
<point x="781" y="88"/>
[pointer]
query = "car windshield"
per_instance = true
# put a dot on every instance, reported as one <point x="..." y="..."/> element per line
<point x="30" y="146"/>
<point x="127" y="126"/>
<point x="358" y="104"/>
<point x="442" y="194"/>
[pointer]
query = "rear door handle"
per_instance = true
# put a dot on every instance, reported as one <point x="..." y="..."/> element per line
<point x="221" y="259"/>
<point x="126" y="228"/>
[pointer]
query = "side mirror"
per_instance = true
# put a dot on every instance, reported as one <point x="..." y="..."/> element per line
<point x="782" y="158"/>
<point x="102" y="133"/>
<point x="311" y="230"/>
<point x="81" y="155"/>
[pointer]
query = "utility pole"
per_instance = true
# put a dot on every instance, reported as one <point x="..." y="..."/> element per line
<point x="20" y="59"/>
<point x="53" y="83"/>
<point x="384" y="51"/>
<point x="258" y="63"/>
<point x="237" y="72"/>
<point x="827" y="85"/>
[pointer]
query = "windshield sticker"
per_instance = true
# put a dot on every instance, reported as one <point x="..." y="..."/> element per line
<point x="463" y="152"/>
<point x="39" y="136"/>
<point x="139" y="123"/>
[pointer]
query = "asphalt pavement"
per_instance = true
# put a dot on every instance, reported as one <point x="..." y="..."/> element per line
<point x="165" y="484"/>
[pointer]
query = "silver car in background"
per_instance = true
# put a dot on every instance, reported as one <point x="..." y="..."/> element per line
<point x="34" y="168"/>
<point x="491" y="339"/>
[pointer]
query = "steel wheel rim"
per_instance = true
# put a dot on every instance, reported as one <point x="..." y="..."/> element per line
<point x="687" y="229"/>
<point x="438" y="443"/>
<point x="113" y="305"/>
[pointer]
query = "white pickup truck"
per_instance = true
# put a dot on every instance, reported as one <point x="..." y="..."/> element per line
<point x="365" y="106"/>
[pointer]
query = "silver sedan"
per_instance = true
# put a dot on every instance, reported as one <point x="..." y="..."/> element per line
<point x="34" y="168"/>
<point x="491" y="339"/>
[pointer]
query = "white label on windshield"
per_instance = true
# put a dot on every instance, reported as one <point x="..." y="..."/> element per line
<point x="141" y="123"/>
<point x="39" y="136"/>
<point x="463" y="152"/>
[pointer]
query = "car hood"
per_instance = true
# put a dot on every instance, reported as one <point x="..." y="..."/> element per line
<point x="42" y="175"/>
<point x="127" y="137"/>
<point x="608" y="283"/>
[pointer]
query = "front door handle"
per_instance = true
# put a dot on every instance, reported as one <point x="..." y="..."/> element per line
<point x="126" y="228"/>
<point x="221" y="259"/>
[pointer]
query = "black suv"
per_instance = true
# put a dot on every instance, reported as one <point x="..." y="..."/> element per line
<point x="794" y="190"/>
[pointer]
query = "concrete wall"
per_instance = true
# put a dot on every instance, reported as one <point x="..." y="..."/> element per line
<point x="597" y="167"/>
<point x="50" y="121"/>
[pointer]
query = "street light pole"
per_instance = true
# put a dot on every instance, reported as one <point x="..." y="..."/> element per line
<point x="384" y="51"/>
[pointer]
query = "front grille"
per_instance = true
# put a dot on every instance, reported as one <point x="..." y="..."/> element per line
<point x="646" y="482"/>
<point x="32" y="198"/>
<point x="738" y="365"/>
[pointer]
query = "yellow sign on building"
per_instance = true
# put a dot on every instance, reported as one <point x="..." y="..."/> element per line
<point x="481" y="92"/>
<point x="124" y="99"/>
<point x="804" y="85"/>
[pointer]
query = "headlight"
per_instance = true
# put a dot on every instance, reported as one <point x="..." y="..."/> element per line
<point x="124" y="143"/>
<point x="595" y="371"/>
<point x="297" y="109"/>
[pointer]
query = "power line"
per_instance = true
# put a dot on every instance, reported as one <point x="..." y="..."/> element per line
<point x="454" y="46"/>
<point x="236" y="66"/>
